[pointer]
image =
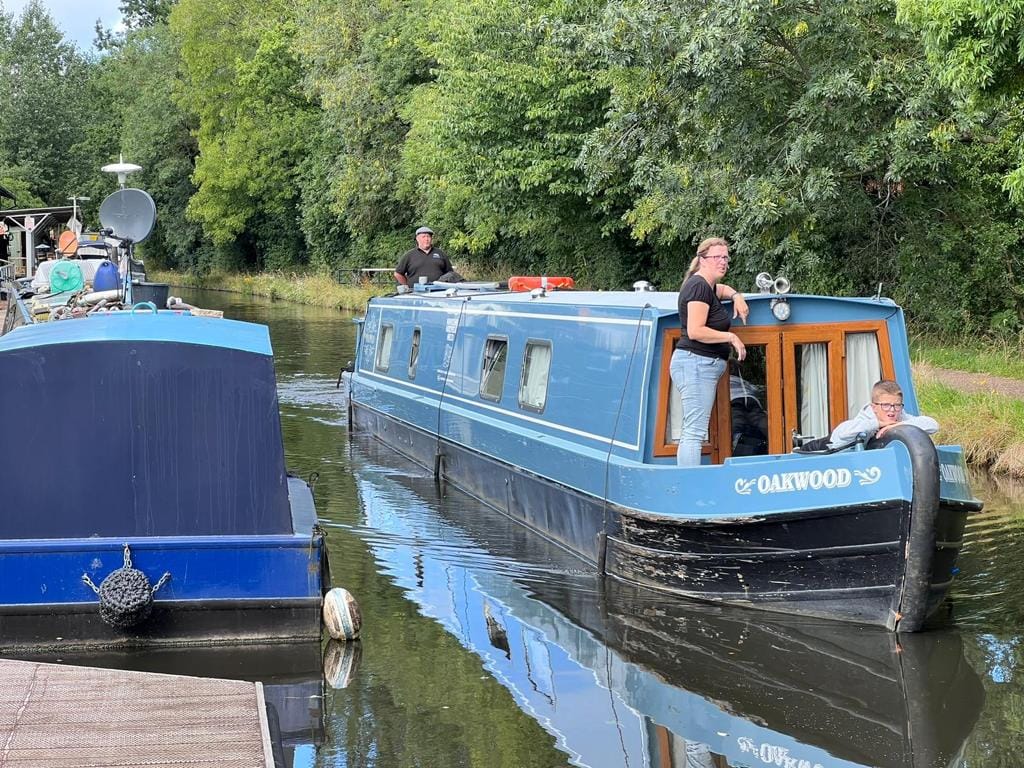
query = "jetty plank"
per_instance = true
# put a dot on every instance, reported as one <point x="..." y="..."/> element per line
<point x="61" y="716"/>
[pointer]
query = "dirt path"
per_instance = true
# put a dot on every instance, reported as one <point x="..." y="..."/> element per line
<point x="971" y="382"/>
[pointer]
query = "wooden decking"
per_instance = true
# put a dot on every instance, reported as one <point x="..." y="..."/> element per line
<point x="59" y="716"/>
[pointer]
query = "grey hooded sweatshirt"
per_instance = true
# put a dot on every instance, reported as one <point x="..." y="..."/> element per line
<point x="866" y="422"/>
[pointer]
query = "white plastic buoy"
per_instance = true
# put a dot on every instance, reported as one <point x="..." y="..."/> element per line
<point x="341" y="661"/>
<point x="341" y="614"/>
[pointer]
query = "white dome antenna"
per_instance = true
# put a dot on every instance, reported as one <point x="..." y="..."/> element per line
<point x="122" y="169"/>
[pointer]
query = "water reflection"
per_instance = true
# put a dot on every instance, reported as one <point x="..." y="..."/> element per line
<point x="622" y="677"/>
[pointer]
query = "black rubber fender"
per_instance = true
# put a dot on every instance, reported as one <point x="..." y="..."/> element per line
<point x="911" y="603"/>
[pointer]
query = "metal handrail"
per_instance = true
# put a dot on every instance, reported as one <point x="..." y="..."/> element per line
<point x="5" y="271"/>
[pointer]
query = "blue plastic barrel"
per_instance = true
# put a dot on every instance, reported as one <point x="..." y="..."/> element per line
<point x="107" y="278"/>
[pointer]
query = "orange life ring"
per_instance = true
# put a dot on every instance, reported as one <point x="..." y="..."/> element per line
<point x="521" y="283"/>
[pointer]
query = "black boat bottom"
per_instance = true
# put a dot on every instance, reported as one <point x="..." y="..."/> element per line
<point x="845" y="563"/>
<point x="172" y="623"/>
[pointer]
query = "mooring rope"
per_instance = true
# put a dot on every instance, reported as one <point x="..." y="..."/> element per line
<point x="611" y="441"/>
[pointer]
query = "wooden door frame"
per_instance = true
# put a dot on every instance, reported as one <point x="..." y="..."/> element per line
<point x="781" y="403"/>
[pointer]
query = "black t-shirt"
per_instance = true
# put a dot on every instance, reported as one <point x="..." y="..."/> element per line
<point x="696" y="288"/>
<point x="416" y="263"/>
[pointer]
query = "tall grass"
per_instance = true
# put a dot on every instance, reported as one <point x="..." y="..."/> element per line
<point x="989" y="427"/>
<point x="314" y="289"/>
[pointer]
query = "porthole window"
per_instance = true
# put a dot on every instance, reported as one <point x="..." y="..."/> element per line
<point x="492" y="376"/>
<point x="414" y="353"/>
<point x="533" y="386"/>
<point x="383" y="360"/>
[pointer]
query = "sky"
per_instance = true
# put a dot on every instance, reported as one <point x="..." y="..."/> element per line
<point x="77" y="18"/>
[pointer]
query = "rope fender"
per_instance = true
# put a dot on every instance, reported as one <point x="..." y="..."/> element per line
<point x="126" y="598"/>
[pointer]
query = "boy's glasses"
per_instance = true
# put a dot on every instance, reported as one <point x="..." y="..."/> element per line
<point x="890" y="407"/>
<point x="717" y="258"/>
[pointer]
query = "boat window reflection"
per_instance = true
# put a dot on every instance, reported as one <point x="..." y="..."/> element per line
<point x="812" y="388"/>
<point x="863" y="369"/>
<point x="492" y="378"/>
<point x="383" y="361"/>
<point x="533" y="387"/>
<point x="414" y="353"/>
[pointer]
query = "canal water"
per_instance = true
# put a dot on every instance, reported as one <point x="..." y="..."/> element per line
<point x="482" y="646"/>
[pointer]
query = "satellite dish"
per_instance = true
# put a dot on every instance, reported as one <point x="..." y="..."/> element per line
<point x="130" y="213"/>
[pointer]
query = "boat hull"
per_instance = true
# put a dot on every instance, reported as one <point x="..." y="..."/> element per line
<point x="847" y="563"/>
<point x="173" y="623"/>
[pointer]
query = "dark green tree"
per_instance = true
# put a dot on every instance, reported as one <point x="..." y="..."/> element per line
<point x="41" y="109"/>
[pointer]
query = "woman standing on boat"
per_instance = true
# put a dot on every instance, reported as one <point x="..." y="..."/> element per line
<point x="703" y="348"/>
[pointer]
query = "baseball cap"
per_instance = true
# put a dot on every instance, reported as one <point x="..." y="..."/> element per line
<point x="424" y="231"/>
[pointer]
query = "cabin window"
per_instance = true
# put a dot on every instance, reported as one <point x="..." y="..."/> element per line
<point x="863" y="369"/>
<point x="533" y="387"/>
<point x="414" y="353"/>
<point x="492" y="377"/>
<point x="812" y="395"/>
<point x="748" y="402"/>
<point x="383" y="360"/>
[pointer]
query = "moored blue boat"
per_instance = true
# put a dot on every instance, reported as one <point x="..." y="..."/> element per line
<point x="143" y="451"/>
<point x="557" y="409"/>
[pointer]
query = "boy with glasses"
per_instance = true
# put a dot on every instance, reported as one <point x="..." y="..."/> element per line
<point x="883" y="412"/>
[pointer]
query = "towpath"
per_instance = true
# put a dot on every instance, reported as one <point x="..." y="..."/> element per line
<point x="972" y="382"/>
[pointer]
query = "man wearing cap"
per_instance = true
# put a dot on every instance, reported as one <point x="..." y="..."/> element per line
<point x="422" y="261"/>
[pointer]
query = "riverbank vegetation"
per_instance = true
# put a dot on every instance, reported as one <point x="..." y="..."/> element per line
<point x="988" y="426"/>
<point x="842" y="144"/>
<point x="314" y="289"/>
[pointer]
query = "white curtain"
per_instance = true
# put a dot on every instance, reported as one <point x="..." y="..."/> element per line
<point x="814" y="389"/>
<point x="863" y="369"/>
<point x="384" y="349"/>
<point x="534" y="388"/>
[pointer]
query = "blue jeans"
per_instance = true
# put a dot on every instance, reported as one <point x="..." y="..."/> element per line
<point x="696" y="377"/>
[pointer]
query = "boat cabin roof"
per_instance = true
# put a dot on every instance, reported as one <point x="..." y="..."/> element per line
<point x="662" y="302"/>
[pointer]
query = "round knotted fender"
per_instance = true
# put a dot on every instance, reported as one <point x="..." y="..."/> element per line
<point x="126" y="597"/>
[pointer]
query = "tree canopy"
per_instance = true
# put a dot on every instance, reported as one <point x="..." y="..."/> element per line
<point x="846" y="145"/>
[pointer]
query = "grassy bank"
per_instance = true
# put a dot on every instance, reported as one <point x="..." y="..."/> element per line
<point x="990" y="427"/>
<point x="313" y="289"/>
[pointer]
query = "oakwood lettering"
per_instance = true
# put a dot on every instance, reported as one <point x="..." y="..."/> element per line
<point x="814" y="480"/>
<point x="772" y="754"/>
<point x="801" y="481"/>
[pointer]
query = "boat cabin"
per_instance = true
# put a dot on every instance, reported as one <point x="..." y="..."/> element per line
<point x="593" y="368"/>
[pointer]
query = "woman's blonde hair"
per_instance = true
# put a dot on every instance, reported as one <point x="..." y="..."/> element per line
<point x="702" y="250"/>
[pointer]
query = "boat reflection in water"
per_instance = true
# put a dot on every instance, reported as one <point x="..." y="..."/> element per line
<point x="291" y="673"/>
<point x="621" y="676"/>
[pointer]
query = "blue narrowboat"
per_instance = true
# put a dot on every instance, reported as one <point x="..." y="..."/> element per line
<point x="146" y="500"/>
<point x="557" y="409"/>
